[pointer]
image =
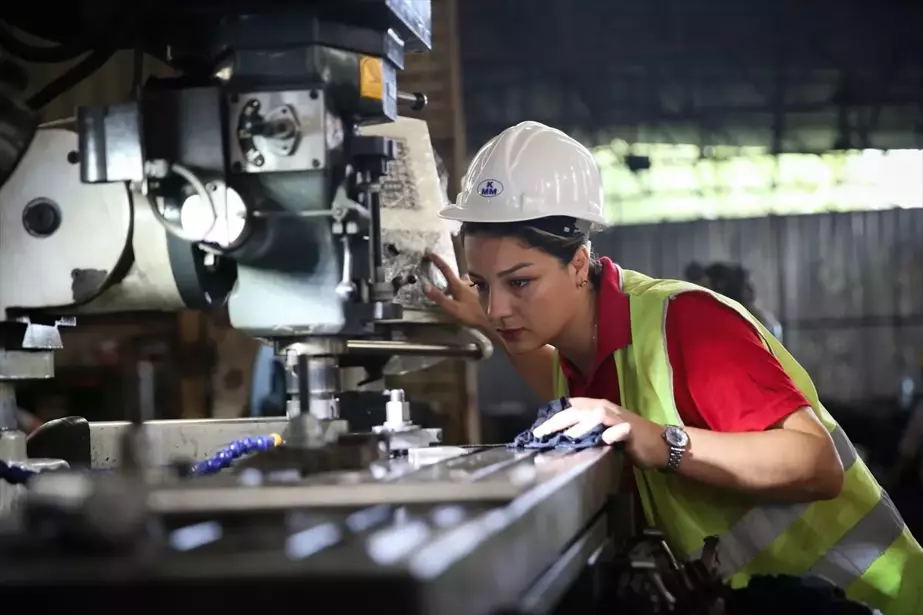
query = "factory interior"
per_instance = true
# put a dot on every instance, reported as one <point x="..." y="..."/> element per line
<point x="225" y="381"/>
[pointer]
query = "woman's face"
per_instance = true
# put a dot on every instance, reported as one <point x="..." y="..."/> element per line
<point x="527" y="294"/>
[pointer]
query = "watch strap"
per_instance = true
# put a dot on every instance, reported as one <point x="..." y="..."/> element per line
<point x="675" y="453"/>
<point x="674" y="457"/>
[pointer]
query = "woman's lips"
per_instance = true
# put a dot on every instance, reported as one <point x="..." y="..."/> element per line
<point x="511" y="335"/>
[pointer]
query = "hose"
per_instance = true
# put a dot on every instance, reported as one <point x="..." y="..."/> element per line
<point x="15" y="475"/>
<point x="235" y="450"/>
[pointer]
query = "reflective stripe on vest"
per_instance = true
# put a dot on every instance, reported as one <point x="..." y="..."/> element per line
<point x="857" y="541"/>
<point x="846" y="561"/>
<point x="760" y="526"/>
<point x="862" y="545"/>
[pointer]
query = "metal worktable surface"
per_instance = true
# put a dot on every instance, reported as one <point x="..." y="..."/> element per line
<point x="450" y="554"/>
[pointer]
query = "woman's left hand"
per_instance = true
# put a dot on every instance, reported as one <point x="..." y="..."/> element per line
<point x="643" y="438"/>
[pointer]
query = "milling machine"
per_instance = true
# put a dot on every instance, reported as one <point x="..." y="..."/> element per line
<point x="274" y="175"/>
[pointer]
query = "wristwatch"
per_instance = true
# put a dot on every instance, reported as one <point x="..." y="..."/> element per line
<point x="677" y="440"/>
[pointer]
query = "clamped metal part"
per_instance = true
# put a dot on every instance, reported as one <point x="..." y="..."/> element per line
<point x="402" y="434"/>
<point x="397" y="410"/>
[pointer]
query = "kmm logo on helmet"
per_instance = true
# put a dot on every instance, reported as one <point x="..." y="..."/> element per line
<point x="489" y="188"/>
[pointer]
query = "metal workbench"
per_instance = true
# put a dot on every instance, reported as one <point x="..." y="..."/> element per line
<point x="450" y="531"/>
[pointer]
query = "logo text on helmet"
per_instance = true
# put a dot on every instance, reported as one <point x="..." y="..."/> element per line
<point x="490" y="188"/>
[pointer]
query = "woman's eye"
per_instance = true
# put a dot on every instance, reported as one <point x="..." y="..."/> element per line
<point x="519" y="283"/>
<point x="479" y="286"/>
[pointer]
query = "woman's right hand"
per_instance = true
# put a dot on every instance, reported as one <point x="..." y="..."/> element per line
<point x="461" y="300"/>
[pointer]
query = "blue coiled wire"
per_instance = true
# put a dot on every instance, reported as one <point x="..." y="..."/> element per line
<point x="235" y="450"/>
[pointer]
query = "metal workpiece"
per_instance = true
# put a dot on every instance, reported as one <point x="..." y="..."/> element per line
<point x="412" y="437"/>
<point x="397" y="410"/>
<point x="402" y="435"/>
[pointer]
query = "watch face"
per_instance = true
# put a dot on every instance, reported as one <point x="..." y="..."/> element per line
<point x="676" y="437"/>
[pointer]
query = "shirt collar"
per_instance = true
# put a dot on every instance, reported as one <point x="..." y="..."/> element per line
<point x="613" y="319"/>
<point x="613" y="328"/>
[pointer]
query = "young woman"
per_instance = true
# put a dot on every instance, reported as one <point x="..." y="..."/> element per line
<point x="723" y="426"/>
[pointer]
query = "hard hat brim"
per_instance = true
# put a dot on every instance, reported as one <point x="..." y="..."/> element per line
<point x="461" y="214"/>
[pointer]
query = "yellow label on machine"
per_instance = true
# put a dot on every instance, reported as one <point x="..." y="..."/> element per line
<point x="371" y="77"/>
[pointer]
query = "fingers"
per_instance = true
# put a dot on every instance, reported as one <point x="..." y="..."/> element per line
<point x="585" y="426"/>
<point x="561" y="420"/>
<point x="617" y="433"/>
<point x="451" y="277"/>
<point x="589" y="404"/>
<point x="436" y="296"/>
<point x="441" y="299"/>
<point x="582" y="417"/>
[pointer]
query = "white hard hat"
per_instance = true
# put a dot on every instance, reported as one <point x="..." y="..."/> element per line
<point x="526" y="172"/>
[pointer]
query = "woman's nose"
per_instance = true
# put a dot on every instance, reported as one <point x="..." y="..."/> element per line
<point x="499" y="305"/>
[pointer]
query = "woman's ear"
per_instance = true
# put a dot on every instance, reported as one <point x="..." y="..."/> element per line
<point x="580" y="263"/>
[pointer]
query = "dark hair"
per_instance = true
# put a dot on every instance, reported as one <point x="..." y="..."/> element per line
<point x="557" y="236"/>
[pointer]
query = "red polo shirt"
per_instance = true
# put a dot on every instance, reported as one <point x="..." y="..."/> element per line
<point x="724" y="379"/>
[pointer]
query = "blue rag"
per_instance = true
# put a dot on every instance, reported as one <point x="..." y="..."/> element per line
<point x="557" y="440"/>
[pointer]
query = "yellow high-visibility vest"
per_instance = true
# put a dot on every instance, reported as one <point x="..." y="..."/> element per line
<point x="857" y="541"/>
